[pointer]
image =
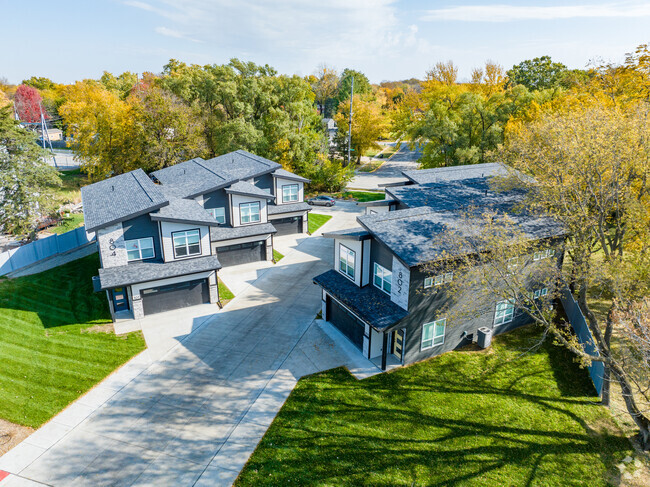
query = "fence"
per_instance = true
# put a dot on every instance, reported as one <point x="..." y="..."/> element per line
<point x="38" y="250"/>
<point x="579" y="324"/>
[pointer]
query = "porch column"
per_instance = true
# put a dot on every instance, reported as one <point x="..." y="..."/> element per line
<point x="384" y="349"/>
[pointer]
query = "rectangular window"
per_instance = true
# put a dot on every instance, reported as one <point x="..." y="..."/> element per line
<point x="187" y="243"/>
<point x="289" y="193"/>
<point x="382" y="278"/>
<point x="346" y="261"/>
<point x="539" y="293"/>
<point x="218" y="214"/>
<point x="505" y="310"/>
<point x="249" y="212"/>
<point x="433" y="334"/>
<point x="543" y="254"/>
<point x="428" y="282"/>
<point x="140" y="249"/>
<point x="439" y="280"/>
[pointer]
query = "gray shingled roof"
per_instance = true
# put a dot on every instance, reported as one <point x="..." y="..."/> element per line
<point x="287" y="208"/>
<point x="242" y="165"/>
<point x="281" y="173"/>
<point x="358" y="233"/>
<point x="150" y="271"/>
<point x="120" y="197"/>
<point x="182" y="210"/>
<point x="220" y="233"/>
<point x="455" y="173"/>
<point x="242" y="187"/>
<point x="368" y="303"/>
<point x="193" y="177"/>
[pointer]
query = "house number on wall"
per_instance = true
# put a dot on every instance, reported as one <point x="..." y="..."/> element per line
<point x="111" y="246"/>
<point x="400" y="290"/>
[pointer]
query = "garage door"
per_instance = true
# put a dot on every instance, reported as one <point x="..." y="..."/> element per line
<point x="174" y="296"/>
<point x="242" y="253"/>
<point x="350" y="326"/>
<point x="288" y="226"/>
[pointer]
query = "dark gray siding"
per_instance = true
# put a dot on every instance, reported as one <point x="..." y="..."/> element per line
<point x="142" y="227"/>
<point x="265" y="181"/>
<point x="379" y="253"/>
<point x="218" y="199"/>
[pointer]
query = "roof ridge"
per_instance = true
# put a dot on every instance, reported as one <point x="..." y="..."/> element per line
<point x="140" y="184"/>
<point x="248" y="154"/>
<point x="208" y="169"/>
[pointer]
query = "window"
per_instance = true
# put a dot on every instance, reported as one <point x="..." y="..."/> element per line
<point x="187" y="243"/>
<point x="382" y="278"/>
<point x="289" y="193"/>
<point x="539" y="293"/>
<point x="140" y="249"/>
<point x="249" y="212"/>
<point x="346" y="261"/>
<point x="544" y="254"/>
<point x="505" y="310"/>
<point x="218" y="214"/>
<point x="433" y="334"/>
<point x="438" y="280"/>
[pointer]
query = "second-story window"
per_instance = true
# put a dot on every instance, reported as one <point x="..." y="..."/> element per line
<point x="218" y="214"/>
<point x="382" y="278"/>
<point x="438" y="280"/>
<point x="249" y="212"/>
<point x="289" y="193"/>
<point x="504" y="312"/>
<point x="140" y="249"/>
<point x="346" y="261"/>
<point x="543" y="254"/>
<point x="187" y="243"/>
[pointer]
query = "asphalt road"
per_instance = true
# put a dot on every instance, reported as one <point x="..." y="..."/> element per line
<point x="390" y="171"/>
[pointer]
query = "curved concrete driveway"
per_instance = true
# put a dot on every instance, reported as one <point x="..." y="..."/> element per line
<point x="194" y="416"/>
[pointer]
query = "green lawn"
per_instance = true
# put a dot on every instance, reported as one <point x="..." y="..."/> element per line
<point x="277" y="256"/>
<point x="70" y="189"/>
<point x="486" y="418"/>
<point x="225" y="294"/>
<point x="317" y="220"/>
<point x="56" y="341"/>
<point x="75" y="220"/>
<point x="364" y="196"/>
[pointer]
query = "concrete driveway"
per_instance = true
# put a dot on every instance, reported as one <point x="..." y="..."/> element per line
<point x="390" y="171"/>
<point x="194" y="415"/>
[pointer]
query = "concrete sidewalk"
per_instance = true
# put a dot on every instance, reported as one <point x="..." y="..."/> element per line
<point x="193" y="414"/>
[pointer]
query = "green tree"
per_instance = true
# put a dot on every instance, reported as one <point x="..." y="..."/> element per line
<point x="368" y="125"/>
<point x="25" y="178"/>
<point x="324" y="84"/>
<point x="537" y="74"/>
<point x="361" y="85"/>
<point x="120" y="85"/>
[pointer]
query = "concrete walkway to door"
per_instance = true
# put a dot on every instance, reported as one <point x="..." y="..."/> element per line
<point x="195" y="415"/>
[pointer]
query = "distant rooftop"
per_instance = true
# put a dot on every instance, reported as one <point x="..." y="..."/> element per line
<point x="455" y="173"/>
<point x="114" y="199"/>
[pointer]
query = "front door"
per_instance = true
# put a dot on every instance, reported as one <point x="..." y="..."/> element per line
<point x="397" y="345"/>
<point x="120" y="299"/>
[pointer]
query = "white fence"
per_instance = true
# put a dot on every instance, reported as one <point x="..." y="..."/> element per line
<point x="38" y="250"/>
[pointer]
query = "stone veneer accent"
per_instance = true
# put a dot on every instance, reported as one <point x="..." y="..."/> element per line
<point x="214" y="293"/>
<point x="112" y="247"/>
<point x="138" y="310"/>
<point x="269" y="249"/>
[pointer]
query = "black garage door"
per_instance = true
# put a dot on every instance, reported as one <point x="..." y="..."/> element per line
<point x="174" y="296"/>
<point x="350" y="326"/>
<point x="242" y="253"/>
<point x="288" y="226"/>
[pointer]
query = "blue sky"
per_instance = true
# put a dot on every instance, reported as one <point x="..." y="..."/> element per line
<point x="386" y="39"/>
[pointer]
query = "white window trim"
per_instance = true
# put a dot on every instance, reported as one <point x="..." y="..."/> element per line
<point x="382" y="275"/>
<point x="428" y="282"/>
<point x="290" y="195"/>
<point x="439" y="280"/>
<point x="250" y="204"/>
<point x="435" y="324"/>
<point x="187" y="246"/>
<point x="139" y="249"/>
<point x="213" y="212"/>
<point x="349" y="253"/>
<point x="510" y="313"/>
<point x="543" y="254"/>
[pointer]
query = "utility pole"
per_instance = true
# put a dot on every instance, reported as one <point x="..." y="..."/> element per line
<point x="350" y="121"/>
<point x="46" y="135"/>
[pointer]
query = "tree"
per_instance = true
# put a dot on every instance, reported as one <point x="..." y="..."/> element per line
<point x="368" y="125"/>
<point x="39" y="83"/>
<point x="537" y="74"/>
<point x="587" y="169"/>
<point x="328" y="175"/>
<point x="445" y="73"/>
<point x="325" y="86"/>
<point x="120" y="85"/>
<point x="27" y="101"/>
<point x="361" y="85"/>
<point x="25" y="178"/>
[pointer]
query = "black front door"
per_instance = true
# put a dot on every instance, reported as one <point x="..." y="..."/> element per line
<point x="120" y="299"/>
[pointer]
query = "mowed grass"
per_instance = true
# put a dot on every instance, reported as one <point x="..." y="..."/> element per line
<point x="56" y="341"/>
<point x="277" y="256"/>
<point x="70" y="189"/>
<point x="75" y="220"/>
<point x="487" y="418"/>
<point x="317" y="220"/>
<point x="361" y="196"/>
<point x="225" y="294"/>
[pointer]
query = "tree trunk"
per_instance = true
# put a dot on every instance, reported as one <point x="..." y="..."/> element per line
<point x="605" y="395"/>
<point x="642" y="422"/>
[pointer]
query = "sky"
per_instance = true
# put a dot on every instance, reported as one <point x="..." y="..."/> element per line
<point x="71" y="40"/>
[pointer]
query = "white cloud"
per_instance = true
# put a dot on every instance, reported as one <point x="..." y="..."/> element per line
<point x="165" y="31"/>
<point x="509" y="13"/>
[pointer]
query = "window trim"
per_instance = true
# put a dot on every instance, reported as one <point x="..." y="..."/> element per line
<point x="435" y="324"/>
<point x="439" y="279"/>
<point x="543" y="254"/>
<point x="510" y="313"/>
<point x="354" y="262"/>
<point x="188" y="255"/>
<point x="213" y="212"/>
<point x="297" y="186"/>
<point x="259" y="208"/>
<point x="430" y="279"/>
<point x="382" y="277"/>
<point x="153" y="248"/>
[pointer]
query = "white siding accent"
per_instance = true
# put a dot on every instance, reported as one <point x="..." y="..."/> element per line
<point x="237" y="199"/>
<point x="279" y="182"/>
<point x="376" y="343"/>
<point x="167" y="228"/>
<point x="112" y="247"/>
<point x="366" y="271"/>
<point x="199" y="199"/>
<point x="400" y="285"/>
<point x="354" y="245"/>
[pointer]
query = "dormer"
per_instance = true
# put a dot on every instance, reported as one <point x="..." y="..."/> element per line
<point x="289" y="187"/>
<point x="248" y="204"/>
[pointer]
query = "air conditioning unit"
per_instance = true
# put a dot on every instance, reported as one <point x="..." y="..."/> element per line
<point x="484" y="337"/>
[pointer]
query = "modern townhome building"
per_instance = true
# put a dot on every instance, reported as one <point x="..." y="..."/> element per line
<point x="162" y="238"/>
<point x="385" y="294"/>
